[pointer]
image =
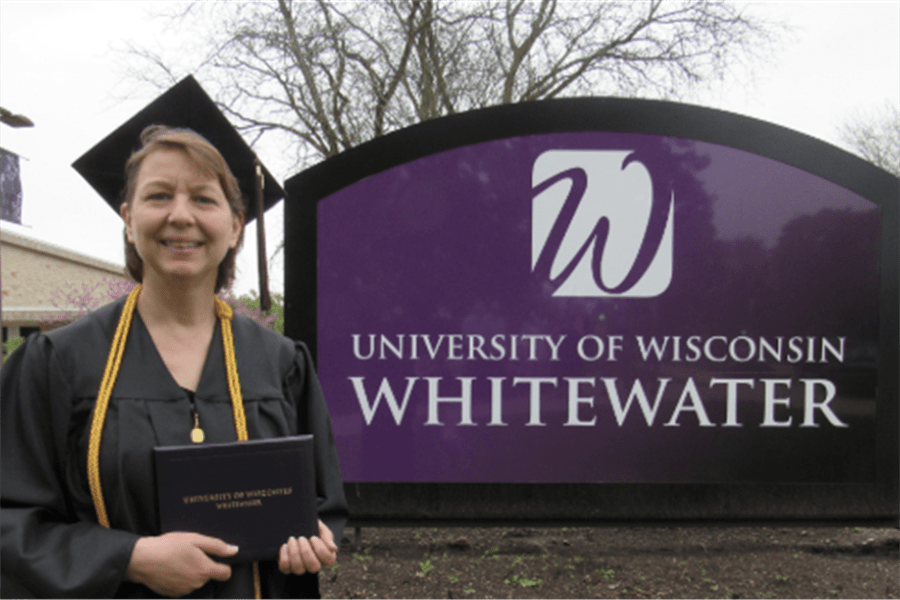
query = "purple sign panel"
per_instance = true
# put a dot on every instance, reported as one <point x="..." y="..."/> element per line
<point x="593" y="307"/>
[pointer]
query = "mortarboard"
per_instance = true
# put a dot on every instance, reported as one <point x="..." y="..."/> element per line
<point x="185" y="105"/>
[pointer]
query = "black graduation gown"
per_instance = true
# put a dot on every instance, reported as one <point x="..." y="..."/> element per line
<point x="52" y="545"/>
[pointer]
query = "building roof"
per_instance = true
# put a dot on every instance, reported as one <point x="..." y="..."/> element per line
<point x="36" y="273"/>
<point x="23" y="241"/>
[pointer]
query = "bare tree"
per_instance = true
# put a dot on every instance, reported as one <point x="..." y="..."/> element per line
<point x="875" y="136"/>
<point x="331" y="75"/>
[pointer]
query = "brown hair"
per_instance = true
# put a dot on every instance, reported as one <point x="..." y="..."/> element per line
<point x="156" y="137"/>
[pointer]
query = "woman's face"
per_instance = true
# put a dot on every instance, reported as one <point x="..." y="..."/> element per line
<point x="179" y="219"/>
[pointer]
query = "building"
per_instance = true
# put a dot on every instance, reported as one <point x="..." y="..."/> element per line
<point x="36" y="278"/>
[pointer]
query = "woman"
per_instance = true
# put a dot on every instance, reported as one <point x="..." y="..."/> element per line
<point x="184" y="221"/>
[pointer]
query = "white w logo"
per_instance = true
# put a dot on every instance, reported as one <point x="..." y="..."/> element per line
<point x="599" y="227"/>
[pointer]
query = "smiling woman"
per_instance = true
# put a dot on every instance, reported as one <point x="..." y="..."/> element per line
<point x="183" y="210"/>
<point x="85" y="406"/>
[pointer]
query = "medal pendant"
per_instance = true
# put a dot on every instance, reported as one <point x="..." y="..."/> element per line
<point x="197" y="435"/>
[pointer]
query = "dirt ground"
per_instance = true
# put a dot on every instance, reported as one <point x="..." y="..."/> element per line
<point x="709" y="561"/>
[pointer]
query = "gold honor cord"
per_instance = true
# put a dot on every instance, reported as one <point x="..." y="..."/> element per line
<point x="113" y="362"/>
<point x="111" y="371"/>
<point x="225" y="315"/>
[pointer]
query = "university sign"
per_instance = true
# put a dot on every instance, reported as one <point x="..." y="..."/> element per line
<point x="601" y="292"/>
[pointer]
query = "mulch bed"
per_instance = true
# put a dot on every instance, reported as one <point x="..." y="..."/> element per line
<point x="708" y="561"/>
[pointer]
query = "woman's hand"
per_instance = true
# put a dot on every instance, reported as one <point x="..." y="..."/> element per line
<point x="299" y="556"/>
<point x="177" y="563"/>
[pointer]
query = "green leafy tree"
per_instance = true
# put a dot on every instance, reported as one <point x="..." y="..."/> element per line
<point x="249" y="305"/>
<point x="10" y="345"/>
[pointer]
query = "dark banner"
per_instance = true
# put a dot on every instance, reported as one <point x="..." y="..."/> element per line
<point x="10" y="187"/>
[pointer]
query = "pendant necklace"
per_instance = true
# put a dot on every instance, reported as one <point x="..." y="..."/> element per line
<point x="197" y="435"/>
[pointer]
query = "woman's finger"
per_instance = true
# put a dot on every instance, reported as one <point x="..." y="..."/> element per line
<point x="214" y="546"/>
<point x="284" y="560"/>
<point x="326" y="555"/>
<point x="327" y="536"/>
<point x="308" y="555"/>
<point x="295" y="561"/>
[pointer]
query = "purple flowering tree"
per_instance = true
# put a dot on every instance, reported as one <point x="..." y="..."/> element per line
<point x="73" y="301"/>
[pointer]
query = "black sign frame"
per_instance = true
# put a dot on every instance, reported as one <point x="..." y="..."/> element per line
<point x="588" y="502"/>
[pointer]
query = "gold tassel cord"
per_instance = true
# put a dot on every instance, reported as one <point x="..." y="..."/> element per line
<point x="111" y="372"/>
<point x="113" y="362"/>
<point x="234" y="384"/>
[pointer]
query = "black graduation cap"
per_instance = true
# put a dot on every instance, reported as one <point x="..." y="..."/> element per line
<point x="185" y="105"/>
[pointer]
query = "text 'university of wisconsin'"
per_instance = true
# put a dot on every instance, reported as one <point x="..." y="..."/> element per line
<point x="534" y="347"/>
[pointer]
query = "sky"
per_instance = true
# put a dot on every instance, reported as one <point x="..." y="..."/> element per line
<point x="63" y="65"/>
